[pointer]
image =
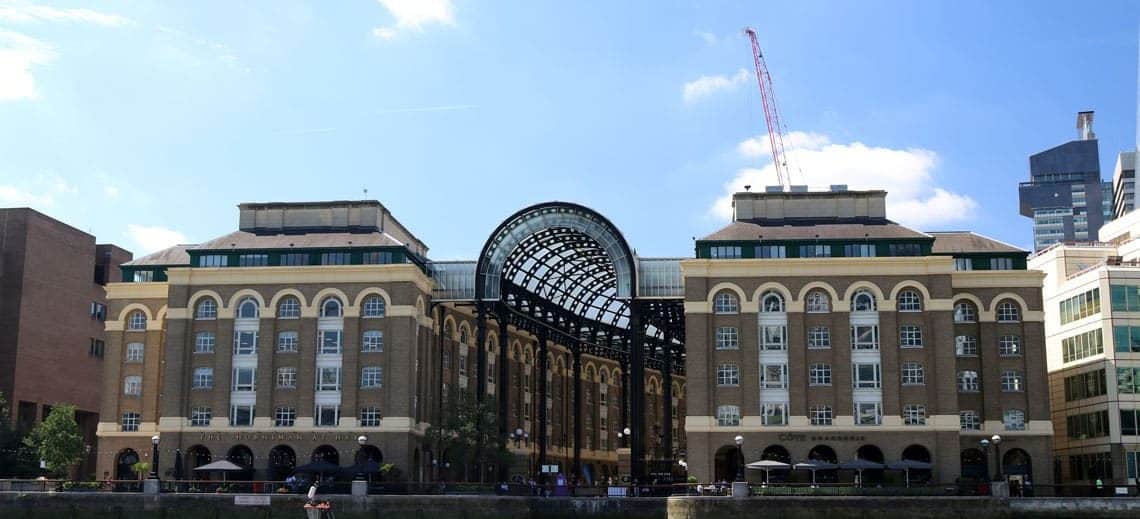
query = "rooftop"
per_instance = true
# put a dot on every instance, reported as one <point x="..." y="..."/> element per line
<point x="809" y="230"/>
<point x="175" y="255"/>
<point x="958" y="242"/>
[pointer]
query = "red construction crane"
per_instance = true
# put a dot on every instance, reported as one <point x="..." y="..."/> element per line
<point x="771" y="114"/>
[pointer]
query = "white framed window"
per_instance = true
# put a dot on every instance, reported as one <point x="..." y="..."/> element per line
<point x="288" y="342"/>
<point x="1009" y="346"/>
<point x="771" y="251"/>
<point x="1007" y="312"/>
<point x="866" y="375"/>
<point x="204" y="342"/>
<point x="130" y="422"/>
<point x="136" y="321"/>
<point x="819" y="338"/>
<point x="370" y="416"/>
<point x="963" y="264"/>
<point x="462" y="364"/>
<point x="245" y="343"/>
<point x="206" y="309"/>
<point x="815" y="251"/>
<point x="371" y="377"/>
<point x="913" y="374"/>
<point x="286" y="378"/>
<point x="203" y="378"/>
<point x="132" y="385"/>
<point x="328" y="379"/>
<point x="774" y="376"/>
<point x="966" y="346"/>
<point x="247" y="309"/>
<point x="330" y="342"/>
<point x="372" y="341"/>
<point x="289" y="308"/>
<point x="773" y="338"/>
<point x="868" y="413"/>
<point x="135" y="352"/>
<point x="727" y="338"/>
<point x="327" y="415"/>
<point x="968" y="381"/>
<point x="819" y="374"/>
<point x="724" y="252"/>
<point x="909" y="301"/>
<point x="726" y="303"/>
<point x="284" y="416"/>
<point x="727" y="375"/>
<point x="213" y="260"/>
<point x="1001" y="263"/>
<point x="774" y="413"/>
<point x="241" y="415"/>
<point x="200" y="416"/>
<point x="820" y="414"/>
<point x="331" y="307"/>
<point x="727" y="416"/>
<point x="244" y="380"/>
<point x="1012" y="381"/>
<point x="914" y="414"/>
<point x="969" y="421"/>
<point x="373" y="307"/>
<point x="863" y="301"/>
<point x="910" y="336"/>
<point x="772" y="302"/>
<point x="1013" y="420"/>
<point x="965" y="312"/>
<point x="818" y="302"/>
<point x="865" y="337"/>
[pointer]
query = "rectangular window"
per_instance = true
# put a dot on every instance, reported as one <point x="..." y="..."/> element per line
<point x="1132" y="460"/>
<point x="328" y="415"/>
<point x="376" y="258"/>
<point x="914" y="414"/>
<point x="1082" y="345"/>
<point x="774" y="376"/>
<point x="245" y="343"/>
<point x="905" y="249"/>
<point x="95" y="348"/>
<point x="253" y="260"/>
<point x="910" y="336"/>
<point x="773" y="338"/>
<point x="774" y="413"/>
<point x="1085" y="304"/>
<point x="963" y="264"/>
<point x="370" y="417"/>
<point x="244" y="379"/>
<point x="1009" y="346"/>
<point x="132" y="386"/>
<point x="200" y="416"/>
<point x="727" y="375"/>
<point x="1085" y="385"/>
<point x="336" y="258"/>
<point x="1128" y="422"/>
<point x="287" y="342"/>
<point x="98" y="311"/>
<point x="966" y="346"/>
<point x="913" y="374"/>
<point x="372" y="341"/>
<point x="968" y="381"/>
<point x="724" y="252"/>
<point x="820" y="415"/>
<point x="203" y="378"/>
<point x="865" y="337"/>
<point x="868" y="413"/>
<point x="969" y="421"/>
<point x="284" y="416"/>
<point x="213" y="260"/>
<point x="143" y="276"/>
<point x="130" y="422"/>
<point x="370" y="377"/>
<point x="815" y="251"/>
<point x="1128" y="380"/>
<point x="866" y="376"/>
<point x="330" y="342"/>
<point x="135" y="352"/>
<point x="1087" y="425"/>
<point x="328" y="379"/>
<point x="286" y="378"/>
<point x="727" y="416"/>
<point x="1125" y="298"/>
<point x="859" y="250"/>
<point x="819" y="374"/>
<point x="241" y="415"/>
<point x="1001" y="264"/>
<point x="819" y="337"/>
<point x="771" y="251"/>
<point x="294" y="259"/>
<point x="204" y="342"/>
<point x="1126" y="339"/>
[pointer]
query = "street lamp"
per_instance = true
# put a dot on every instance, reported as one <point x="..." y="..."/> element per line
<point x="361" y="440"/>
<point x="740" y="454"/>
<point x="985" y="445"/>
<point x="996" y="440"/>
<point x="154" y="457"/>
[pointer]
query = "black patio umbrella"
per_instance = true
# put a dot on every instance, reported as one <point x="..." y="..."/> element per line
<point x="814" y="465"/>
<point x="909" y="465"/>
<point x="860" y="465"/>
<point x="177" y="464"/>
<point x="317" y="467"/>
<point x="364" y="467"/>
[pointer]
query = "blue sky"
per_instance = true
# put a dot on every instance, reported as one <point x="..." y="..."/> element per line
<point x="148" y="122"/>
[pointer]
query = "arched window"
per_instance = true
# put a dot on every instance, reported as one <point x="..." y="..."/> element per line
<point x="463" y="336"/>
<point x="772" y="301"/>
<point x="207" y="309"/>
<point x="331" y="307"/>
<point x="373" y="307"/>
<point x="863" y="301"/>
<point x="726" y="303"/>
<point x="910" y="301"/>
<point x="448" y="330"/>
<point x="1014" y="420"/>
<point x="247" y="308"/>
<point x="965" y="312"/>
<point x="136" y="321"/>
<point x="818" y="302"/>
<point x="1007" y="312"/>
<point x="289" y="308"/>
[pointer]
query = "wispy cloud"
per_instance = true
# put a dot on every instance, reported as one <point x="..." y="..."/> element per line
<point x="18" y="54"/>
<point x="706" y="86"/>
<point x="414" y="15"/>
<point x="708" y="37"/>
<point x="148" y="239"/>
<point x="442" y="108"/>
<point x="29" y="13"/>
<point x="41" y="191"/>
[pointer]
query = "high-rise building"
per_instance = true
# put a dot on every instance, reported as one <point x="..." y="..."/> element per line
<point x="52" y="309"/>
<point x="1065" y="195"/>
<point x="1124" y="184"/>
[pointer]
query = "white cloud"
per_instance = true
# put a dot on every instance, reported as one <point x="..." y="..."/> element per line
<point x="18" y="53"/>
<point x="15" y="196"/>
<point x="40" y="191"/>
<point x="705" y="86"/>
<point x="414" y="15"/>
<point x="906" y="174"/>
<point x="41" y="13"/>
<point x="708" y="37"/>
<point x="149" y="239"/>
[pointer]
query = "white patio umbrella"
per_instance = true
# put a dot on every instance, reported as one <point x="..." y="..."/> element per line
<point x="767" y="465"/>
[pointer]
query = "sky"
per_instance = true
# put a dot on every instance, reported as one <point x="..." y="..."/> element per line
<point x="146" y="123"/>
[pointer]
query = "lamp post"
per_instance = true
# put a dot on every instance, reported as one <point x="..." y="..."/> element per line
<point x="985" y="444"/>
<point x="996" y="440"/>
<point x="154" y="457"/>
<point x="740" y="454"/>
<point x="361" y="456"/>
<point x="627" y="433"/>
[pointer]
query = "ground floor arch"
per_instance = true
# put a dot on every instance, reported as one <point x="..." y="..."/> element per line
<point x="327" y="454"/>
<point x="727" y="463"/>
<point x="124" y="464"/>
<point x="974" y="464"/>
<point x="1016" y="462"/>
<point x="282" y="460"/>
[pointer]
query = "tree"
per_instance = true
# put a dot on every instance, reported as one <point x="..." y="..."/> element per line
<point x="57" y="440"/>
<point x="469" y="432"/>
<point x="16" y="459"/>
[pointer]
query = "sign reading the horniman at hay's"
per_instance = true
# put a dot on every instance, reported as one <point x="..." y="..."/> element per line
<point x="791" y="437"/>
<point x="274" y="436"/>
